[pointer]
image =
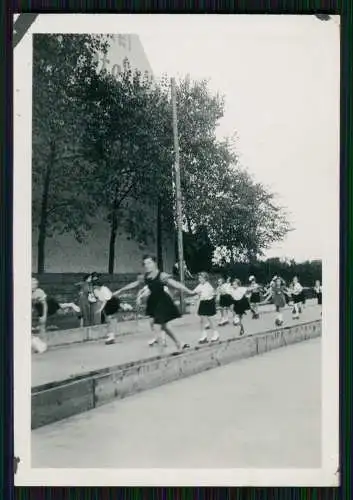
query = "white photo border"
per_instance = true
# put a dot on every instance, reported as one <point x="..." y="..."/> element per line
<point x="28" y="476"/>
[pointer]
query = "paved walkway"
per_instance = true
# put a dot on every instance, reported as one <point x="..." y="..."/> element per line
<point x="262" y="412"/>
<point x="64" y="362"/>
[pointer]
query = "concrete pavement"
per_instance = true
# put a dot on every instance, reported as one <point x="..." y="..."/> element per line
<point x="262" y="412"/>
<point x="65" y="362"/>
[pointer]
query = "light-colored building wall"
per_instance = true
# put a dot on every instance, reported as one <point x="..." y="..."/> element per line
<point x="64" y="253"/>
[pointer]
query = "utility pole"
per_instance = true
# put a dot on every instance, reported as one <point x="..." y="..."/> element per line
<point x="178" y="193"/>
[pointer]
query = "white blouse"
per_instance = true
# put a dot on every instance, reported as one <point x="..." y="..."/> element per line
<point x="225" y="289"/>
<point x="297" y="289"/>
<point x="103" y="293"/>
<point x="238" y="293"/>
<point x="205" y="291"/>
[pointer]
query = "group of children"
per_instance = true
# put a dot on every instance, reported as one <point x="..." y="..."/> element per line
<point x="234" y="301"/>
<point x="92" y="293"/>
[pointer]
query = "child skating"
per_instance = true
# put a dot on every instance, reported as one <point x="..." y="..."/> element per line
<point x="207" y="307"/>
<point x="44" y="307"/>
<point x="160" y="306"/>
<point x="107" y="306"/>
<point x="225" y="300"/>
<point x="296" y="291"/>
<point x="277" y="293"/>
<point x="241" y="304"/>
<point x="254" y="298"/>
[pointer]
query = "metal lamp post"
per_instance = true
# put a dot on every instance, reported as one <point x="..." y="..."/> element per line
<point x="178" y="193"/>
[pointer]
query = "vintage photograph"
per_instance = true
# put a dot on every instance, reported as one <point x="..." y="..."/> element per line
<point x="182" y="235"/>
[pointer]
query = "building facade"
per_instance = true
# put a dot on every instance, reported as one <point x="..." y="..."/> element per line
<point x="63" y="253"/>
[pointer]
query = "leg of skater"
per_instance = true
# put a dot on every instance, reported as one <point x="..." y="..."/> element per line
<point x="242" y="331"/>
<point x="279" y="316"/>
<point x="111" y="326"/>
<point x="165" y="327"/>
<point x="203" y="339"/>
<point x="160" y="341"/>
<point x="162" y="338"/>
<point x="215" y="336"/>
<point x="154" y="339"/>
<point x="226" y="315"/>
<point x="222" y="318"/>
<point x="38" y="343"/>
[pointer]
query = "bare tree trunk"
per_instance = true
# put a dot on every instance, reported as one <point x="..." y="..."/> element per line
<point x="113" y="234"/>
<point x="159" y="235"/>
<point x="43" y="222"/>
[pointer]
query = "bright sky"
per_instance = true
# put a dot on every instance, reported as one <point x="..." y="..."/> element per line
<point x="280" y="78"/>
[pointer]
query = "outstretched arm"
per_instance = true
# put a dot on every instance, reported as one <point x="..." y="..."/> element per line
<point x="179" y="286"/>
<point x="266" y="298"/>
<point x="130" y="286"/>
<point x="142" y="294"/>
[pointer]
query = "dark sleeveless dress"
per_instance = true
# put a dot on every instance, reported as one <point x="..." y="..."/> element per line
<point x="160" y="305"/>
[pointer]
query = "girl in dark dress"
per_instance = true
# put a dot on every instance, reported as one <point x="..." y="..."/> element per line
<point x="160" y="305"/>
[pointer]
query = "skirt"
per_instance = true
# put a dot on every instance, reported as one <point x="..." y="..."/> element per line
<point x="112" y="306"/>
<point x="279" y="300"/>
<point x="241" y="306"/>
<point x="225" y="300"/>
<point x="53" y="307"/>
<point x="298" y="298"/>
<point x="207" y="308"/>
<point x="255" y="298"/>
<point x="161" y="308"/>
<point x="319" y="298"/>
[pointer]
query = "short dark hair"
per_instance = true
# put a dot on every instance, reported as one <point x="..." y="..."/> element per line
<point x="148" y="256"/>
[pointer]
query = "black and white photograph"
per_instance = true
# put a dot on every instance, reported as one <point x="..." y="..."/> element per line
<point x="176" y="227"/>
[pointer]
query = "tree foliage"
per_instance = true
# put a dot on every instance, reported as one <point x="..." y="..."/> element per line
<point x="106" y="142"/>
<point x="63" y="67"/>
<point x="127" y="142"/>
<point x="220" y="197"/>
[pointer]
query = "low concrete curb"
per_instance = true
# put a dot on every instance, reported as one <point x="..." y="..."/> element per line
<point x="59" y="400"/>
<point x="60" y="338"/>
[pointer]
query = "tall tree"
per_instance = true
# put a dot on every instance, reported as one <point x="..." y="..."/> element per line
<point x="64" y="66"/>
<point x="247" y="220"/>
<point x="218" y="196"/>
<point x="124" y="140"/>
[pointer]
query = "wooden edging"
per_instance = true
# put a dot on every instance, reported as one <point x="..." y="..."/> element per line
<point x="59" y="400"/>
